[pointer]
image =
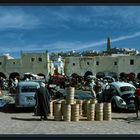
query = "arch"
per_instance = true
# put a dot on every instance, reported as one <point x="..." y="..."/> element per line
<point x="122" y="74"/>
<point x="88" y="73"/>
<point x="138" y="76"/>
<point x="113" y="74"/>
<point x="100" y="74"/>
<point x="14" y="75"/>
<point x="3" y="75"/>
<point x="74" y="75"/>
<point x="132" y="75"/>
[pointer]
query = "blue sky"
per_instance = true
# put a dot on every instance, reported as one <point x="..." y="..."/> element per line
<point x="67" y="28"/>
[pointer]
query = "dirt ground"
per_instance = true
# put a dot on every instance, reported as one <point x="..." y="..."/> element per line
<point x="23" y="121"/>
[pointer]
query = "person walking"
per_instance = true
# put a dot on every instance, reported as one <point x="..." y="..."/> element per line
<point x="42" y="107"/>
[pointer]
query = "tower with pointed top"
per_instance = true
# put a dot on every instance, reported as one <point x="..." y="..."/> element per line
<point x="108" y="44"/>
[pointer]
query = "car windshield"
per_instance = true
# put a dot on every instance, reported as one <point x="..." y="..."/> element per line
<point x="126" y="88"/>
<point x="28" y="89"/>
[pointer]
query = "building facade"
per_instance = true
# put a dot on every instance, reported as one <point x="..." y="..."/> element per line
<point x="40" y="64"/>
<point x="36" y="63"/>
<point x="116" y="64"/>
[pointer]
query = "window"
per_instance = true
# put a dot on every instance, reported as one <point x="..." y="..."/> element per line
<point x="87" y="63"/>
<point x="131" y="62"/>
<point x="32" y="59"/>
<point x="126" y="88"/>
<point x="73" y="64"/>
<point x="97" y="62"/>
<point x="0" y="63"/>
<point x="40" y="59"/>
<point x="115" y="63"/>
<point x="28" y="89"/>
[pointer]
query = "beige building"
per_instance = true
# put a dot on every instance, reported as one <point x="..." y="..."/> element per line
<point x="114" y="63"/>
<point x="40" y="63"/>
<point x="117" y="63"/>
<point x="36" y="63"/>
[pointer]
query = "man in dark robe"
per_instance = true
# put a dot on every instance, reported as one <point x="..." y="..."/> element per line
<point x="42" y="107"/>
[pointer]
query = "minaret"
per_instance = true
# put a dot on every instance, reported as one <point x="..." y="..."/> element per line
<point x="108" y="44"/>
<point x="48" y="63"/>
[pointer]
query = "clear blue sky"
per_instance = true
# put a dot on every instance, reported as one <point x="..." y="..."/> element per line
<point x="65" y="28"/>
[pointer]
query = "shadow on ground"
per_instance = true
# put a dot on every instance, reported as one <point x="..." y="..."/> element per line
<point x="30" y="119"/>
<point x="25" y="119"/>
<point x="124" y="111"/>
<point x="133" y="120"/>
<point x="128" y="119"/>
<point x="10" y="108"/>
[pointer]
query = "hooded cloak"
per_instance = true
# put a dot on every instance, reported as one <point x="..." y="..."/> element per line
<point x="42" y="96"/>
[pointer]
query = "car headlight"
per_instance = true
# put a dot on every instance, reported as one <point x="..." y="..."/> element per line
<point x="120" y="101"/>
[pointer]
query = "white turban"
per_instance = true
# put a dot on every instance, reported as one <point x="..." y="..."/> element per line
<point x="42" y="84"/>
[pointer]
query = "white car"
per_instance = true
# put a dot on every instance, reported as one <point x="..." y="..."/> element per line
<point x="120" y="94"/>
<point x="25" y="94"/>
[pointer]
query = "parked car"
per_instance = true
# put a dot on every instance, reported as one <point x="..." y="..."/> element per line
<point x="25" y="93"/>
<point x="120" y="94"/>
<point x="3" y="102"/>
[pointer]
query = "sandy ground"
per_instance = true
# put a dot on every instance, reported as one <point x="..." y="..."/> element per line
<point x="24" y="122"/>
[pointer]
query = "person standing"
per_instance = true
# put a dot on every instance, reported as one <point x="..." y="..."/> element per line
<point x="98" y="91"/>
<point x="92" y="88"/>
<point x="1" y="82"/>
<point x="1" y="94"/>
<point x="42" y="107"/>
<point x="15" y="82"/>
<point x="137" y="101"/>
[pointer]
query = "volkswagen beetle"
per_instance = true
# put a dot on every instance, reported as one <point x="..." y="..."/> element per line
<point x="120" y="94"/>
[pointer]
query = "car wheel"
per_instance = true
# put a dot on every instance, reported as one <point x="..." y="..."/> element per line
<point x="114" y="105"/>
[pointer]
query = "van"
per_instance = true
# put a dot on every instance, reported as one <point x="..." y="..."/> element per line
<point x="25" y="94"/>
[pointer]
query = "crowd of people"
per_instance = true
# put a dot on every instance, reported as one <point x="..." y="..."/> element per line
<point x="95" y="85"/>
